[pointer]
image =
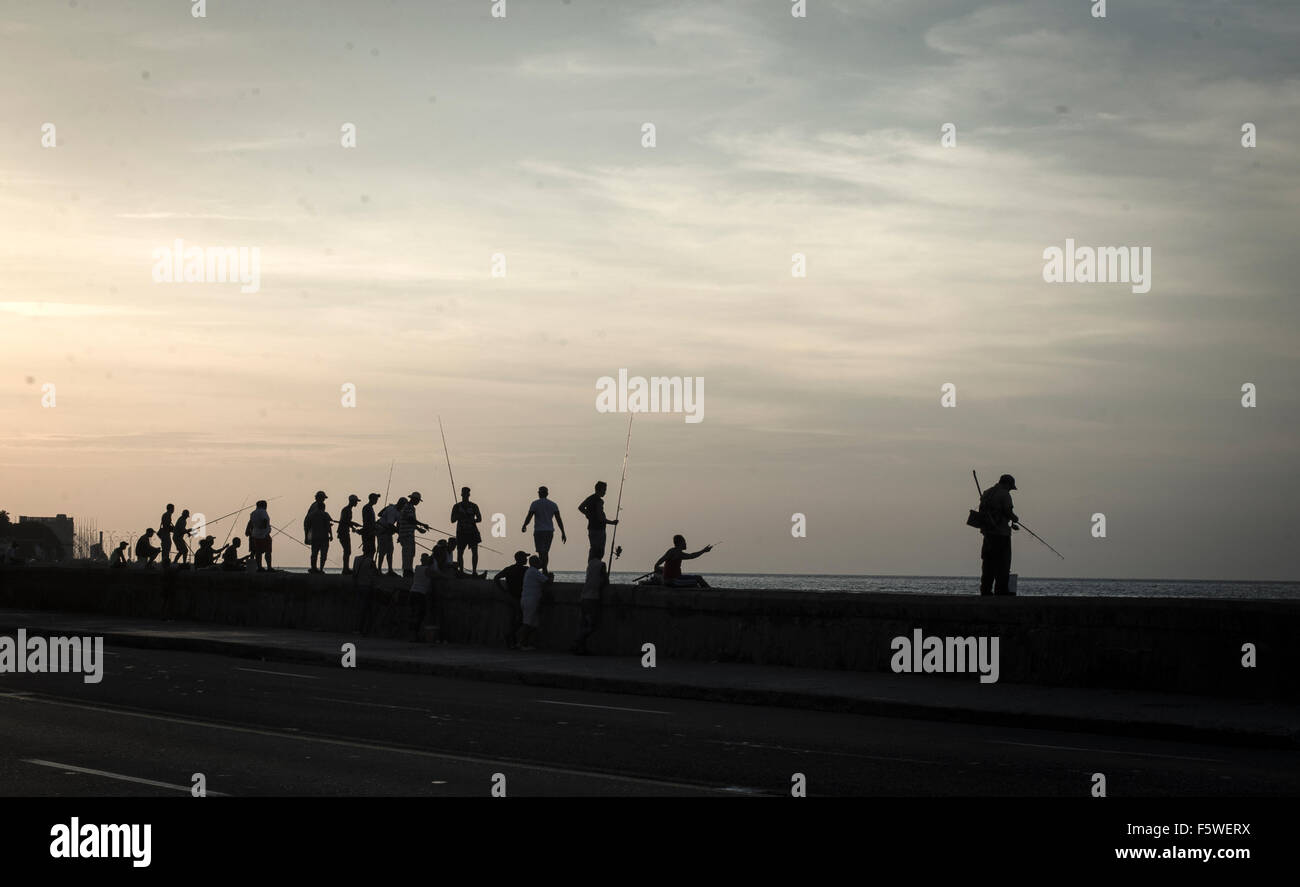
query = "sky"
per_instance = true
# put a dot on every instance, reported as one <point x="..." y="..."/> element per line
<point x="523" y="137"/>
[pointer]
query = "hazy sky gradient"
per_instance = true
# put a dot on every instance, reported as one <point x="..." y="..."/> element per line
<point x="775" y="135"/>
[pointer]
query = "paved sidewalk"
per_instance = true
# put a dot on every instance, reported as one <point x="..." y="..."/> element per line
<point x="1167" y="716"/>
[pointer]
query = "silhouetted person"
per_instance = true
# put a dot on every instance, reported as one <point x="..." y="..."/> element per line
<point x="369" y="528"/>
<point x="407" y="525"/>
<point x="510" y="582"/>
<point x="443" y="560"/>
<point x="344" y="532"/>
<point x="180" y="532"/>
<point x="594" y="508"/>
<point x="258" y="532"/>
<point x="306" y="518"/>
<point x="672" y="564"/>
<point x="145" y="550"/>
<point x="995" y="503"/>
<point x="544" y="510"/>
<point x="205" y="555"/>
<point x="388" y="518"/>
<point x="530" y="601"/>
<point x="231" y="561"/>
<point x="165" y="530"/>
<point x="592" y="588"/>
<point x="117" y="559"/>
<point x="319" y="533"/>
<point x="466" y="516"/>
<point x="421" y="594"/>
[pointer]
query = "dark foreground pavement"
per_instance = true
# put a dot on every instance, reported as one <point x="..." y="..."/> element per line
<point x="403" y="723"/>
<point x="945" y="698"/>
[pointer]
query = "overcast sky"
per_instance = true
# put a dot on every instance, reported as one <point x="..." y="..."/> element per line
<point x="775" y="135"/>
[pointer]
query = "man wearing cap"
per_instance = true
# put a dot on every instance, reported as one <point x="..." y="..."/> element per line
<point x="995" y="503"/>
<point x="369" y="527"/>
<point x="407" y="524"/>
<point x="343" y="530"/>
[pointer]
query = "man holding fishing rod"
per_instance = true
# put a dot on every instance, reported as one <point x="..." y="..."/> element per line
<point x="1000" y="520"/>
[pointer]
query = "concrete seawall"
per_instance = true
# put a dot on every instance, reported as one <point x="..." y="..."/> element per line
<point x="1183" y="646"/>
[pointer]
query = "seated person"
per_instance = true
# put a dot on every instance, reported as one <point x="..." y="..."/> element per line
<point x="118" y="558"/>
<point x="672" y="565"/>
<point x="205" y="556"/>
<point x="145" y="551"/>
<point x="231" y="561"/>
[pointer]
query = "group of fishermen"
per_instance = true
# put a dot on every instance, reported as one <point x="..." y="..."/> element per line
<point x="379" y="527"/>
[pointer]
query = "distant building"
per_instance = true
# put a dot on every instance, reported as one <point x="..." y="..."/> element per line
<point x="61" y="526"/>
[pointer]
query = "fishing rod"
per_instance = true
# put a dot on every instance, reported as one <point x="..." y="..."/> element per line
<point x="627" y="448"/>
<point x="226" y="541"/>
<point x="455" y="497"/>
<point x="1019" y="523"/>
<point x="233" y="513"/>
<point x="1040" y="539"/>
<point x="388" y="488"/>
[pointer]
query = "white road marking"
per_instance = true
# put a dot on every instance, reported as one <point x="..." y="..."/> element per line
<point x="647" y="711"/>
<point x="283" y="674"/>
<point x="372" y="704"/>
<point x="374" y="746"/>
<point x="57" y="766"/>
<point x="1107" y="751"/>
<point x="817" y="751"/>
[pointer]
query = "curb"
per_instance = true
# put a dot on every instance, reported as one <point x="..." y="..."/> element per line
<point x="744" y="696"/>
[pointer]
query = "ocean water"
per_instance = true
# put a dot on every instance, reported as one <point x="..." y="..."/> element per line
<point x="1027" y="586"/>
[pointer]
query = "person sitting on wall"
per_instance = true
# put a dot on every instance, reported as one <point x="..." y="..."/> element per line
<point x="672" y="565"/>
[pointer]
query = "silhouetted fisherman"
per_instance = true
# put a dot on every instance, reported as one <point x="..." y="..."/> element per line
<point x="344" y="532"/>
<point x="145" y="550"/>
<point x="165" y="534"/>
<point x="205" y="555"/>
<point x="594" y="508"/>
<point x="319" y="532"/>
<point x="466" y="516"/>
<point x="590" y="602"/>
<point x="258" y="532"/>
<point x="231" y="561"/>
<point x="995" y="504"/>
<point x="180" y="531"/>
<point x="510" y="582"/>
<point x="306" y="518"/>
<point x="672" y="564"/>
<point x="117" y="559"/>
<point x="388" y="518"/>
<point x="369" y="528"/>
<point x="407" y="524"/>
<point x="544" y="510"/>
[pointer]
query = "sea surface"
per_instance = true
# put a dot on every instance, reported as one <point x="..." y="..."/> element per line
<point x="1026" y="585"/>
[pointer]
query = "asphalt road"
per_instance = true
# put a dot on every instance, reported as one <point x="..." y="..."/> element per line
<point x="258" y="728"/>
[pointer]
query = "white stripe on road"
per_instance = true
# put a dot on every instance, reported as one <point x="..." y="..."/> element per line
<point x="647" y="711"/>
<point x="283" y="674"/>
<point x="374" y="746"/>
<point x="818" y="751"/>
<point x="1107" y="751"/>
<point x="106" y="774"/>
<point x="372" y="704"/>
